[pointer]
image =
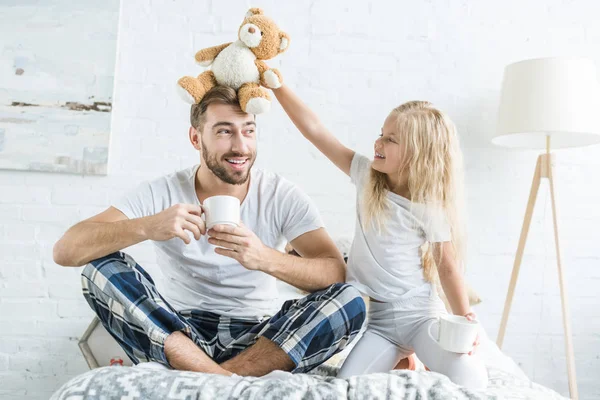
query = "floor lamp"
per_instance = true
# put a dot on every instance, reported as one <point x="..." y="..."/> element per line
<point x="547" y="103"/>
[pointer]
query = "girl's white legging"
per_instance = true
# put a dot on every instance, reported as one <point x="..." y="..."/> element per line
<point x="396" y="330"/>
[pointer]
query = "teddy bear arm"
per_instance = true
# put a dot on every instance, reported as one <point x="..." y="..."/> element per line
<point x="269" y="77"/>
<point x="209" y="54"/>
<point x="262" y="67"/>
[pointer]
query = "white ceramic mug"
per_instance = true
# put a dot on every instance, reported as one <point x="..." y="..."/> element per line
<point x="221" y="210"/>
<point x="456" y="334"/>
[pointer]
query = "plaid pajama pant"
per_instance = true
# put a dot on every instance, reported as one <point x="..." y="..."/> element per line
<point x="310" y="330"/>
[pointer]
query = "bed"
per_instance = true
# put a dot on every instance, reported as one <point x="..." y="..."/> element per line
<point x="506" y="381"/>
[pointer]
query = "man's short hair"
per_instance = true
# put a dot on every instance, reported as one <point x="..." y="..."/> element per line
<point x="216" y="95"/>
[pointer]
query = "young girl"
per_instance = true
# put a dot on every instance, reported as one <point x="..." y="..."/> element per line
<point x="407" y="225"/>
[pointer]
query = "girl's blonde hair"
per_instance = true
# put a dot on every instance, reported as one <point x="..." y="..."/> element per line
<point x="433" y="165"/>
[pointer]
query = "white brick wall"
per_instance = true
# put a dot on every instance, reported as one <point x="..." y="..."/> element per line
<point x="352" y="61"/>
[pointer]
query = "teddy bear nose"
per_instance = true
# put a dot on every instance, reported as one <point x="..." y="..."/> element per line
<point x="251" y="29"/>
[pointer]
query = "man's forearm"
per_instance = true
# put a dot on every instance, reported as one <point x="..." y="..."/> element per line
<point x="89" y="240"/>
<point x="310" y="274"/>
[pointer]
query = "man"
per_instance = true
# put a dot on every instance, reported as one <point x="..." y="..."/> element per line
<point x="216" y="310"/>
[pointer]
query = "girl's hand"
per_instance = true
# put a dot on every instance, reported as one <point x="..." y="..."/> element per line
<point x="471" y="316"/>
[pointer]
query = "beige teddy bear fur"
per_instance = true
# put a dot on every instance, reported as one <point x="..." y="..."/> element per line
<point x="240" y="64"/>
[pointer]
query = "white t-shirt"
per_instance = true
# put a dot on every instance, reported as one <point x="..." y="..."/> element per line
<point x="387" y="265"/>
<point x="194" y="276"/>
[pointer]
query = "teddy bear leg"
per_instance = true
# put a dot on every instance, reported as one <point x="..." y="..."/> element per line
<point x="192" y="90"/>
<point x="254" y="99"/>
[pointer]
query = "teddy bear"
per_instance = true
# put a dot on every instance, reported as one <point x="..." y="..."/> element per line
<point x="241" y="65"/>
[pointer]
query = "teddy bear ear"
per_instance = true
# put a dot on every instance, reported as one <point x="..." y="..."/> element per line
<point x="284" y="42"/>
<point x="254" y="11"/>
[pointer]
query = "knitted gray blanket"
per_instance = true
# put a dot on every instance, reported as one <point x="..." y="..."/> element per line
<point x="137" y="383"/>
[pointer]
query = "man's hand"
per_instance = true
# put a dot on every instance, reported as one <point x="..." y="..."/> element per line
<point x="239" y="243"/>
<point x="471" y="316"/>
<point x="174" y="221"/>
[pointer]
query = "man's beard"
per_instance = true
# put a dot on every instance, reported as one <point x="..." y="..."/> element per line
<point x="221" y="172"/>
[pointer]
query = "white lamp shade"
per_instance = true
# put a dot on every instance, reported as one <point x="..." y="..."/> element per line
<point x="556" y="97"/>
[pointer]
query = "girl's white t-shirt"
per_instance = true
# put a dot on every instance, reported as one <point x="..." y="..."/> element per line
<point x="193" y="275"/>
<point x="387" y="265"/>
